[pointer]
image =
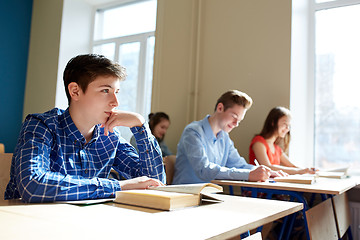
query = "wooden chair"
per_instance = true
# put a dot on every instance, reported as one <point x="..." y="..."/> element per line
<point x="169" y="162"/>
<point x="114" y="174"/>
<point x="5" y="163"/>
<point x="2" y="148"/>
<point x="321" y="221"/>
<point x="342" y="215"/>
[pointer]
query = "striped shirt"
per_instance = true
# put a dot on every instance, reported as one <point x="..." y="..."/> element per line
<point x="53" y="162"/>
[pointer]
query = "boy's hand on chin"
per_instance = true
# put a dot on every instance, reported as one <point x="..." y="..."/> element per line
<point x="122" y="118"/>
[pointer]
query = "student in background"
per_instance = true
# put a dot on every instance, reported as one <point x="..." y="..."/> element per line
<point x="159" y="123"/>
<point x="265" y="147"/>
<point x="206" y="152"/>
<point x="64" y="155"/>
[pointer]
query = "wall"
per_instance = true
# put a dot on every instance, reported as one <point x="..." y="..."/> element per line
<point x="43" y="56"/>
<point x="60" y="30"/>
<point x="15" y="20"/>
<point x="206" y="47"/>
<point x="76" y="31"/>
<point x="203" y="48"/>
<point x="35" y="61"/>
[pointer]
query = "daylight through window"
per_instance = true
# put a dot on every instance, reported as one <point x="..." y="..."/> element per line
<point x="337" y="86"/>
<point x="125" y="34"/>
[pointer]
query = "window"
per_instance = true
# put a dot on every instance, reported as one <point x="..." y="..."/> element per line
<point x="325" y="103"/>
<point x="125" y="34"/>
<point x="337" y="84"/>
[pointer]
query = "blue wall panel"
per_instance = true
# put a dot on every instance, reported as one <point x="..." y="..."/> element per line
<point x="15" y="24"/>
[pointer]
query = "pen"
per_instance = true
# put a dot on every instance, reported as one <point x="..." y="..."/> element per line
<point x="257" y="164"/>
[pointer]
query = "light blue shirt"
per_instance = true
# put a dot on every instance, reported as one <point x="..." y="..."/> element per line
<point x="202" y="156"/>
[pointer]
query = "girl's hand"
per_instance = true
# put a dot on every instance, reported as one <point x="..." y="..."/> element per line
<point x="307" y="170"/>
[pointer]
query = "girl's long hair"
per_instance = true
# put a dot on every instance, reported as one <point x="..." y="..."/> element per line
<point x="155" y="119"/>
<point x="271" y="126"/>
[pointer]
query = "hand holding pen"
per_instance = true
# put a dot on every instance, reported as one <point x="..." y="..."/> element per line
<point x="273" y="173"/>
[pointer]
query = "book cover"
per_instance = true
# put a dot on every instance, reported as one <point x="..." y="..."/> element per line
<point x="168" y="197"/>
<point x="297" y="178"/>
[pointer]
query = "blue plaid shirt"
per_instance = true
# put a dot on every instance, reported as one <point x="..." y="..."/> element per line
<point x="53" y="162"/>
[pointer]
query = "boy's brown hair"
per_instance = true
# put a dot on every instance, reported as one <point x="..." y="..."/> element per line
<point x="83" y="69"/>
<point x="232" y="97"/>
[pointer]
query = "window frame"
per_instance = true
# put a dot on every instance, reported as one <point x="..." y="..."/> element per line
<point x="141" y="104"/>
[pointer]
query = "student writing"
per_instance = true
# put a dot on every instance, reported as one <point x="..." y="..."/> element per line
<point x="265" y="147"/>
<point x="206" y="152"/>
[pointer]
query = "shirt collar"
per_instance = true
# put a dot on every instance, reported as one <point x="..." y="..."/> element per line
<point x="73" y="132"/>
<point x="209" y="134"/>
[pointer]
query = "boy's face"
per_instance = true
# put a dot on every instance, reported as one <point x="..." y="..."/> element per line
<point x="99" y="99"/>
<point x="231" y="117"/>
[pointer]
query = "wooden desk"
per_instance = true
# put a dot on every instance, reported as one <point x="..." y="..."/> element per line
<point x="321" y="186"/>
<point x="324" y="186"/>
<point x="223" y="220"/>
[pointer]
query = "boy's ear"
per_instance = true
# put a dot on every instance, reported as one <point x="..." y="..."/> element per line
<point x="220" y="107"/>
<point x="74" y="90"/>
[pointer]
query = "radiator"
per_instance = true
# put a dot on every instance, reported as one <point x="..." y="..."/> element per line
<point x="355" y="219"/>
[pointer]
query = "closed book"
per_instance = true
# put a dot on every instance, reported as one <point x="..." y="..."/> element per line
<point x="297" y="178"/>
<point x="167" y="197"/>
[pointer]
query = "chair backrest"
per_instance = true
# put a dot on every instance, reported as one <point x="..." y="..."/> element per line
<point x="342" y="213"/>
<point x="5" y="163"/>
<point x="2" y="148"/>
<point x="169" y="162"/>
<point x="321" y="221"/>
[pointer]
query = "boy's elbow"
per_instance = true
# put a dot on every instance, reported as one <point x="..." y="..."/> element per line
<point x="31" y="192"/>
<point x="206" y="175"/>
<point x="27" y="197"/>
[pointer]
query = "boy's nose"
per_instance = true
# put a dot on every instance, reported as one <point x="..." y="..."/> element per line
<point x="115" y="101"/>
<point x="236" y="123"/>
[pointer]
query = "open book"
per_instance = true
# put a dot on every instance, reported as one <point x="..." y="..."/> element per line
<point x="168" y="197"/>
<point x="327" y="174"/>
<point x="333" y="173"/>
<point x="297" y="178"/>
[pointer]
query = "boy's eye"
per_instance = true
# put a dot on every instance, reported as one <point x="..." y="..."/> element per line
<point x="105" y="90"/>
